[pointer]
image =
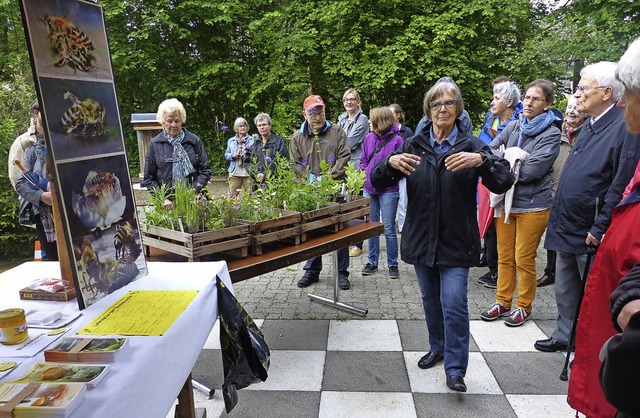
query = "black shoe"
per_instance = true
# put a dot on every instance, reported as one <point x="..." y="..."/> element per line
<point x="489" y="279"/>
<point x="550" y="345"/>
<point x="308" y="279"/>
<point x="429" y="360"/>
<point x="456" y="383"/>
<point x="546" y="280"/>
<point x="343" y="283"/>
<point x="369" y="269"/>
<point x="393" y="272"/>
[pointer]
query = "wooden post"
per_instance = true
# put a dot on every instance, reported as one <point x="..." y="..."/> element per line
<point x="186" y="407"/>
<point x="64" y="257"/>
<point x="63" y="250"/>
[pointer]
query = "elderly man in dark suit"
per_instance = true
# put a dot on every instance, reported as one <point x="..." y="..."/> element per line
<point x="601" y="163"/>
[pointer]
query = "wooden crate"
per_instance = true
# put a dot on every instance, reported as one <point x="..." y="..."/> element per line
<point x="286" y="226"/>
<point x="194" y="246"/>
<point x="360" y="207"/>
<point x="323" y="219"/>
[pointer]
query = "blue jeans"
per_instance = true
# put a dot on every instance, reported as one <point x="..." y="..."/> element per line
<point x="387" y="204"/>
<point x="314" y="265"/>
<point x="444" y="299"/>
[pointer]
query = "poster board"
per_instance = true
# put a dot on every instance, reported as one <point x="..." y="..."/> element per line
<point x="72" y="70"/>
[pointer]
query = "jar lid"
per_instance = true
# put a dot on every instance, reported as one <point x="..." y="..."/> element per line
<point x="13" y="313"/>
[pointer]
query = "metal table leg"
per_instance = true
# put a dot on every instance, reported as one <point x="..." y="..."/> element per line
<point x="335" y="301"/>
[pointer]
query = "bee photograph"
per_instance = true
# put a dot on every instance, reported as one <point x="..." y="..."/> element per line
<point x="107" y="260"/>
<point x="96" y="193"/>
<point x="68" y="39"/>
<point x="82" y="118"/>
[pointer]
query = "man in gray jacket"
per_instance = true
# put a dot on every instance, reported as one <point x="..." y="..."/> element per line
<point x="602" y="161"/>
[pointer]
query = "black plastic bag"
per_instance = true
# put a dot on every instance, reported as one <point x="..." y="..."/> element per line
<point x="245" y="354"/>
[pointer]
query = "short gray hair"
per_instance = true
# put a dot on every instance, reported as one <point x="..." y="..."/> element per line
<point x="438" y="90"/>
<point x="239" y="121"/>
<point x="604" y="72"/>
<point x="170" y="106"/>
<point x="262" y="116"/>
<point x="509" y="91"/>
<point x="628" y="69"/>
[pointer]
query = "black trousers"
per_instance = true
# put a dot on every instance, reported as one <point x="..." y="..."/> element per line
<point x="491" y="247"/>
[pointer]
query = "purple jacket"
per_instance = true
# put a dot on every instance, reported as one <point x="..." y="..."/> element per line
<point x="392" y="141"/>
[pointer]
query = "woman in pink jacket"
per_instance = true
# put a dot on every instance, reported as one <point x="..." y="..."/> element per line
<point x="382" y="140"/>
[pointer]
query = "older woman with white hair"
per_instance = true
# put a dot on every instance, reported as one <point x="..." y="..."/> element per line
<point x="616" y="269"/>
<point x="238" y="152"/>
<point x="175" y="154"/>
<point x="505" y="107"/>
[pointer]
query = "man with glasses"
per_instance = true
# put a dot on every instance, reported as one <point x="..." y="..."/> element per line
<point x="320" y="140"/>
<point x="602" y="160"/>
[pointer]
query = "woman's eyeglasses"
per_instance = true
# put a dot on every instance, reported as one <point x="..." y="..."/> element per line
<point x="449" y="104"/>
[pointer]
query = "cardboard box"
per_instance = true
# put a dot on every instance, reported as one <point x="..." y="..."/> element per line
<point x="61" y="296"/>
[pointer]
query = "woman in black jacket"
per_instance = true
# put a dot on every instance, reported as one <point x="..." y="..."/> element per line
<point x="175" y="154"/>
<point x="441" y="165"/>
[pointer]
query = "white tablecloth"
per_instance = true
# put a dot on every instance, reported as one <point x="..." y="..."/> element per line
<point x="146" y="379"/>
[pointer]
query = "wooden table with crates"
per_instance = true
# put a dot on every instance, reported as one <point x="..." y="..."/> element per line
<point x="277" y="257"/>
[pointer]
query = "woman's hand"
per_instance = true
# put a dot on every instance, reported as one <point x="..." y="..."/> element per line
<point x="627" y="312"/>
<point x="404" y="162"/>
<point x="168" y="205"/>
<point x="462" y="160"/>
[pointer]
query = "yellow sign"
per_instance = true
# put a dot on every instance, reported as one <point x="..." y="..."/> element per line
<point x="141" y="312"/>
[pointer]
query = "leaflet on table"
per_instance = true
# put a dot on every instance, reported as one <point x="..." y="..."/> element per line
<point x="49" y="319"/>
<point x="141" y="312"/>
<point x="86" y="349"/>
<point x="7" y="366"/>
<point x="48" y="400"/>
<point x="91" y="374"/>
<point x="37" y="341"/>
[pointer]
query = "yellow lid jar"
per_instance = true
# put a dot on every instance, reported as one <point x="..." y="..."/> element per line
<point x="13" y="326"/>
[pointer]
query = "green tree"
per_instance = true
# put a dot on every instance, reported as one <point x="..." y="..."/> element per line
<point x="16" y="94"/>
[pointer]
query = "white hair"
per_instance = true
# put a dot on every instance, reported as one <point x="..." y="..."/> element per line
<point x="509" y="91"/>
<point x="604" y="72"/>
<point x="628" y="70"/>
<point x="170" y="106"/>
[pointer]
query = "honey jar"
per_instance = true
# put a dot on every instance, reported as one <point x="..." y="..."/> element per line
<point x="13" y="326"/>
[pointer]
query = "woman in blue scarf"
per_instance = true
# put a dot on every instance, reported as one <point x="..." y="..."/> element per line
<point x="535" y="137"/>
<point x="175" y="154"/>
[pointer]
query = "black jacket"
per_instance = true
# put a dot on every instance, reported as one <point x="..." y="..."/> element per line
<point x="441" y="225"/>
<point x="158" y="166"/>
<point x="274" y="145"/>
<point x="602" y="161"/>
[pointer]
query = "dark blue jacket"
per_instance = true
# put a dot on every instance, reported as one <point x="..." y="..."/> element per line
<point x="602" y="161"/>
<point x="158" y="166"/>
<point x="441" y="227"/>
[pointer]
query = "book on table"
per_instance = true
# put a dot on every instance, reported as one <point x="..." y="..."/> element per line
<point x="65" y="373"/>
<point x="47" y="400"/>
<point x="93" y="350"/>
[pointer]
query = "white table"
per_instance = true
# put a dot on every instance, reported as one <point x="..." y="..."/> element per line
<point x="147" y="379"/>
